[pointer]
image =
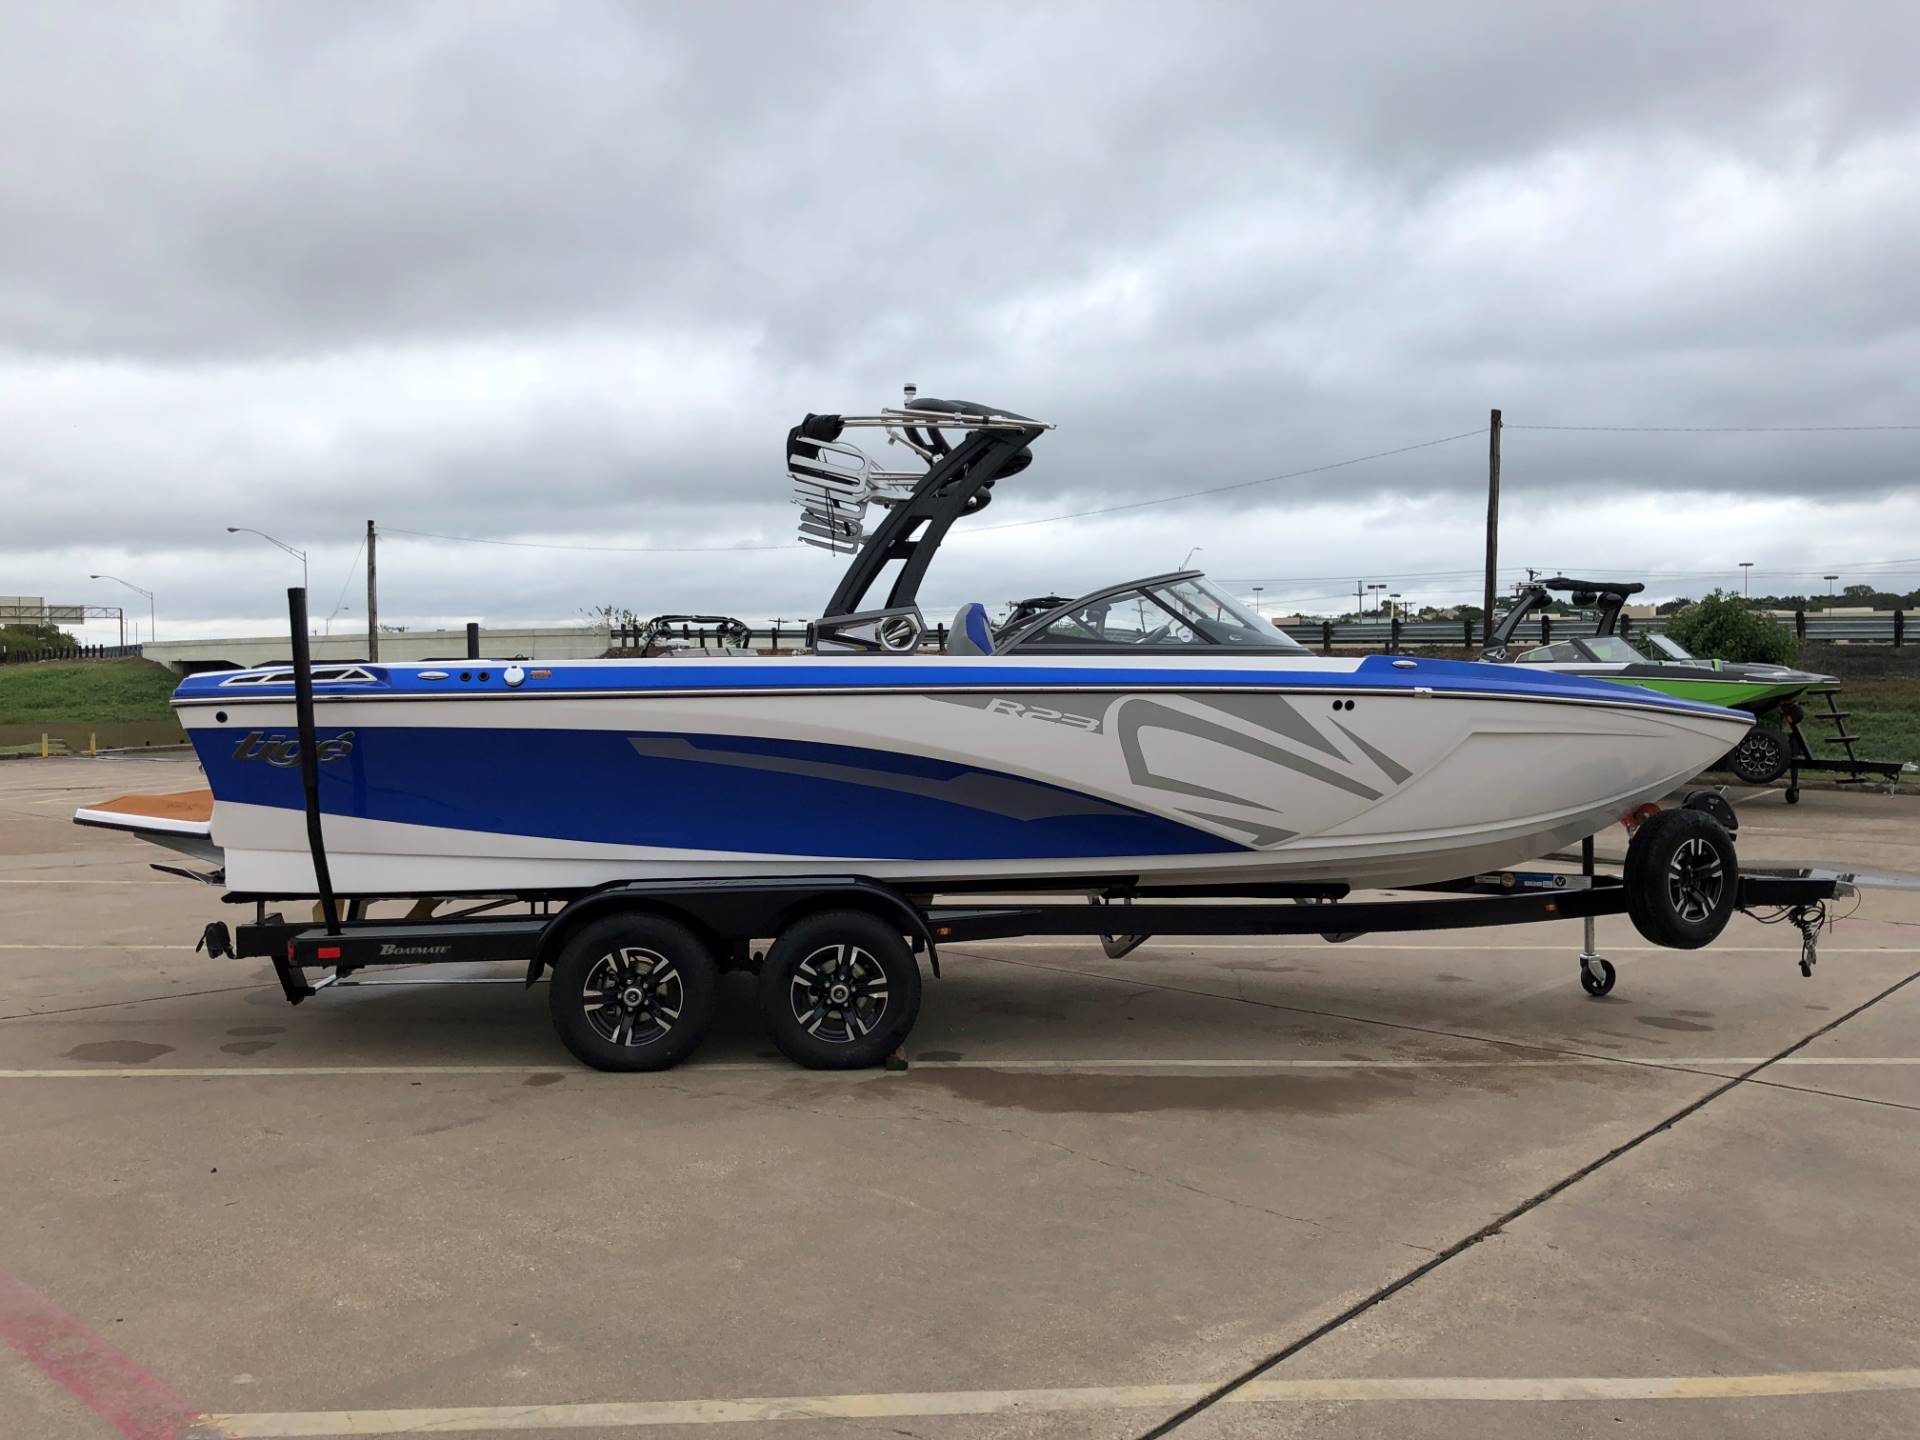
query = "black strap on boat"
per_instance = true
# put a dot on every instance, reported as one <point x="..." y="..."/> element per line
<point x="310" y="753"/>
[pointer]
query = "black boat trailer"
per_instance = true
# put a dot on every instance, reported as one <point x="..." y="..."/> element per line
<point x="634" y="965"/>
<point x="681" y="925"/>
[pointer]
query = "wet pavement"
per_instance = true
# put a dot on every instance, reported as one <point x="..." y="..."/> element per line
<point x="1232" y="1186"/>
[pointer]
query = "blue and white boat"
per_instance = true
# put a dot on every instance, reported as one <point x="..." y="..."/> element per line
<point x="1155" y="730"/>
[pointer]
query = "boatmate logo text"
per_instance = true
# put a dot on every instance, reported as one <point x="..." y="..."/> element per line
<point x="388" y="948"/>
<point x="284" y="750"/>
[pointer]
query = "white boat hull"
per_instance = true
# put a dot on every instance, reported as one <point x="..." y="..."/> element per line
<point x="978" y="782"/>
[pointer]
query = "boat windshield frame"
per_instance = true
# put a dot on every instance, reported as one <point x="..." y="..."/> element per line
<point x="1164" y="594"/>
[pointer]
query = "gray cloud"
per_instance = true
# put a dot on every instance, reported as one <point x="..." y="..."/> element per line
<point x="508" y="270"/>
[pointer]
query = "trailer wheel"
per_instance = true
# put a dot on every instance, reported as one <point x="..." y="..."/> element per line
<point x="1761" y="757"/>
<point x="633" y="992"/>
<point x="1681" y="879"/>
<point x="839" y="990"/>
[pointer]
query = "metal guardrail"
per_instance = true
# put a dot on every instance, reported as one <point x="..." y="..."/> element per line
<point x="1887" y="628"/>
<point x="21" y="655"/>
<point x="1382" y="635"/>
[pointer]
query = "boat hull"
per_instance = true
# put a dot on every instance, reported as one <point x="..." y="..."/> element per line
<point x="1331" y="771"/>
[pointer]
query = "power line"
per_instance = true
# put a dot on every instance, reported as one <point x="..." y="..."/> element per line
<point x="1184" y="494"/>
<point x="1714" y="429"/>
<point x="978" y="529"/>
<point x="1239" y="485"/>
<point x="341" y="598"/>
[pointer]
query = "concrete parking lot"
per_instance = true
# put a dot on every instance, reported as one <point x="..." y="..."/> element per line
<point x="1415" y="1186"/>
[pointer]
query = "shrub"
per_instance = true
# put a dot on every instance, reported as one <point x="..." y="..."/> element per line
<point x="1725" y="627"/>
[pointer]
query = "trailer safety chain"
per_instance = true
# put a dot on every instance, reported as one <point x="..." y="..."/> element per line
<point x="1809" y="920"/>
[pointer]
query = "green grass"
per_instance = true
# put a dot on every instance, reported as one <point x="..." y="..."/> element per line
<point x="1885" y="714"/>
<point x="91" y="692"/>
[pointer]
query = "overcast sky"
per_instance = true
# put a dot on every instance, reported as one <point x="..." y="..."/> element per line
<point x="565" y="273"/>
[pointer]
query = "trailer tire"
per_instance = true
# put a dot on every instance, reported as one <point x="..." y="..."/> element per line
<point x="1682" y="879"/>
<point x="1761" y="756"/>
<point x="633" y="992"/>
<point x="839" y="990"/>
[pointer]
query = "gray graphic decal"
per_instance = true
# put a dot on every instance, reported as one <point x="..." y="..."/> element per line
<point x="1389" y="766"/>
<point x="997" y="794"/>
<point x="1263" y="835"/>
<point x="1138" y="714"/>
<point x="1270" y="712"/>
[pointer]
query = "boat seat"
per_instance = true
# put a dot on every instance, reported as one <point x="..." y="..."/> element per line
<point x="970" y="635"/>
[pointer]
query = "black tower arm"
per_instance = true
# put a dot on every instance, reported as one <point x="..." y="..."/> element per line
<point x="959" y="483"/>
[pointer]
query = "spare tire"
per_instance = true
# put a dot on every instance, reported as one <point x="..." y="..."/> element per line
<point x="1682" y="879"/>
<point x="1761" y="756"/>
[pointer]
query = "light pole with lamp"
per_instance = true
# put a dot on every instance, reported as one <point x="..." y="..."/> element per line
<point x="1256" y="598"/>
<point x="297" y="554"/>
<point x="1190" y="554"/>
<point x="1829" y="579"/>
<point x="152" y="627"/>
<point x="1746" y="569"/>
<point x="1376" y="585"/>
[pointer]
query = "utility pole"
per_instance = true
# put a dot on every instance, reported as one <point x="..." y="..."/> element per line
<point x="1493" y="521"/>
<point x="373" y="601"/>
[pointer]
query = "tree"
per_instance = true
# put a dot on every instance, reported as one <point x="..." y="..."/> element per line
<point x="1725" y="627"/>
<point x="32" y="636"/>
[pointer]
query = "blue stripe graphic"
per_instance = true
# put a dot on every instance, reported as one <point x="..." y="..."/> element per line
<point x="758" y="796"/>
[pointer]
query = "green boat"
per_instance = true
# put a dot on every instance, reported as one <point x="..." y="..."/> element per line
<point x="1763" y="690"/>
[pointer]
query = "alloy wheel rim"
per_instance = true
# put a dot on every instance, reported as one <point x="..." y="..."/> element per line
<point x="838" y="993"/>
<point x="633" y="996"/>
<point x="1695" y="880"/>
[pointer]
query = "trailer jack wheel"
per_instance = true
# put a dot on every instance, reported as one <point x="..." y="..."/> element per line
<point x="1597" y="975"/>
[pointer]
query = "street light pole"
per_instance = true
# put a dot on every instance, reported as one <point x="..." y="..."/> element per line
<point x="294" y="551"/>
<point x="1256" y="598"/>
<point x="1829" y="579"/>
<point x="152" y="624"/>
<point x="1746" y="569"/>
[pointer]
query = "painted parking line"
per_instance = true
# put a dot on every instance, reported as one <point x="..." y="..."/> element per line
<point x="118" y="945"/>
<point x="929" y="1404"/>
<point x="1149" y="1066"/>
<point x="1163" y="942"/>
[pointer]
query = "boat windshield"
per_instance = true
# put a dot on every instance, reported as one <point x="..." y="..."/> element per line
<point x="1176" y="612"/>
<point x="1613" y="650"/>
<point x="1670" y="649"/>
